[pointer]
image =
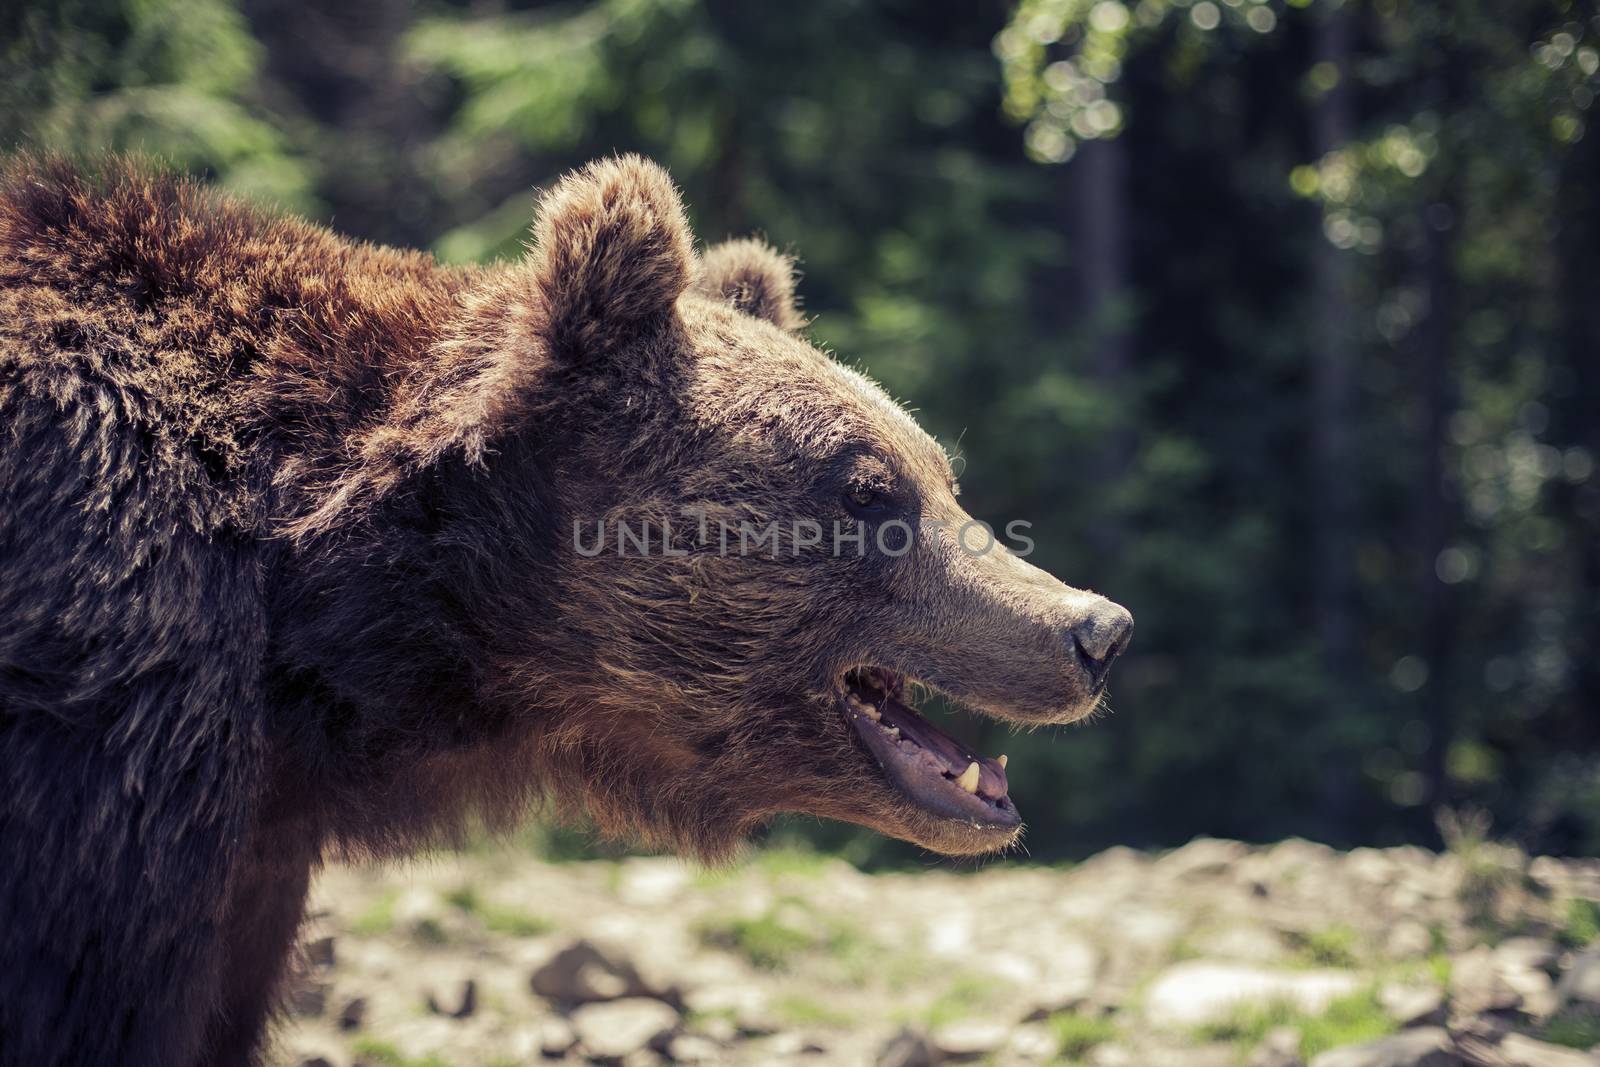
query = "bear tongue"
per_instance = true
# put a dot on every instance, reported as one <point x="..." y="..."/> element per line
<point x="944" y="749"/>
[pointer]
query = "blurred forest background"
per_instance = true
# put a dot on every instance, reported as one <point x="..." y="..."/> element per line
<point x="1279" y="322"/>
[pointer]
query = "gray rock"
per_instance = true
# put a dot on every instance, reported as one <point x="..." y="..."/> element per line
<point x="1029" y="1043"/>
<point x="353" y="1014"/>
<point x="1521" y="1051"/>
<point x="692" y="1048"/>
<point x="1408" y="939"/>
<point x="1197" y="992"/>
<point x="556" y="1037"/>
<point x="1580" y="986"/>
<point x="1528" y="954"/>
<point x="308" y="997"/>
<point x="1413" y="1005"/>
<point x="1477" y="985"/>
<point x="793" y="1043"/>
<point x="744" y="1008"/>
<point x="616" y="1028"/>
<point x="1112" y="1055"/>
<point x="908" y="1049"/>
<point x="319" y="953"/>
<point x="1534" y="988"/>
<point x="1280" y="1048"/>
<point x="462" y="1005"/>
<point x="1427" y="1046"/>
<point x="968" y="1040"/>
<point x="1203" y="855"/>
<point x="584" y="972"/>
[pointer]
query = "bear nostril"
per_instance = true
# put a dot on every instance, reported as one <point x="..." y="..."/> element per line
<point x="1100" y="635"/>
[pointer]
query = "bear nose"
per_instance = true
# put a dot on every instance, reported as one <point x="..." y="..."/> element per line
<point x="1100" y="634"/>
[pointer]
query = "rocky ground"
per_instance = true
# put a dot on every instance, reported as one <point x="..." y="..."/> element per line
<point x="1213" y="954"/>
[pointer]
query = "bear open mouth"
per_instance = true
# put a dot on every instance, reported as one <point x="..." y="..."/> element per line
<point x="934" y="770"/>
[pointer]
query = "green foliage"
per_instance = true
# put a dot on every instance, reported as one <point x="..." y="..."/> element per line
<point x="170" y="78"/>
<point x="513" y="922"/>
<point x="1574" y="1030"/>
<point x="767" y="942"/>
<point x="1078" y="1035"/>
<point x="804" y="1011"/>
<point x="1582" y="923"/>
<point x="1348" y="1020"/>
<point x="1335" y="946"/>
<point x="371" y="1052"/>
<point x="964" y="996"/>
<point x="378" y="918"/>
<point x="775" y="939"/>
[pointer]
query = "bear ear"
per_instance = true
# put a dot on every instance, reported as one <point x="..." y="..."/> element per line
<point x="753" y="277"/>
<point x="611" y="254"/>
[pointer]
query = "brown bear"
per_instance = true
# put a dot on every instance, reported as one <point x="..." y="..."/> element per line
<point x="310" y="548"/>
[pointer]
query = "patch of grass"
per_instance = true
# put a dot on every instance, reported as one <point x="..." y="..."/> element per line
<point x="774" y="940"/>
<point x="767" y="941"/>
<point x="1078" y="1035"/>
<point x="1349" y="1020"/>
<point x="429" y="932"/>
<point x="496" y="918"/>
<point x="464" y="897"/>
<point x="1183" y="949"/>
<point x="963" y="997"/>
<point x="697" y="1020"/>
<point x="1582" y="923"/>
<point x="378" y="918"/>
<point x="513" y="922"/>
<point x="1489" y="870"/>
<point x="1574" y="1031"/>
<point x="803" y="1011"/>
<point x="374" y="1053"/>
<point x="1336" y="946"/>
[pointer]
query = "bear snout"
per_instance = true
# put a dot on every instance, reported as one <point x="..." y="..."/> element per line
<point x="1098" y="636"/>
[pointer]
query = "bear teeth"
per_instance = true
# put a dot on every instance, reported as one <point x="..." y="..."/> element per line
<point x="865" y="708"/>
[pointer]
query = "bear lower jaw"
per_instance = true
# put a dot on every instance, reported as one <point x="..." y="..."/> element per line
<point x="930" y="770"/>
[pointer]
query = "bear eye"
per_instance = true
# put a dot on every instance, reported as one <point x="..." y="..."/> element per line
<point x="862" y="499"/>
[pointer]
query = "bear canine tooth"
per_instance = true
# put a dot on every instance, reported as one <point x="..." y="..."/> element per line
<point x="1002" y="761"/>
<point x="864" y="707"/>
<point x="969" y="778"/>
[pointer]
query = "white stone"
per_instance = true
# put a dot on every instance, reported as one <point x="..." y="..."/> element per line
<point x="1522" y="1051"/>
<point x="617" y="1027"/>
<point x="969" y="1039"/>
<point x="1196" y="992"/>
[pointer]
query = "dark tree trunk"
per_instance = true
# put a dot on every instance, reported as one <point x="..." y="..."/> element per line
<point x="1333" y="499"/>
<point x="1433" y="517"/>
<point x="1100" y="173"/>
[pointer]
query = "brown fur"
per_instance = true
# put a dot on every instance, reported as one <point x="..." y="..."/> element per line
<point x="753" y="278"/>
<point x="287" y="569"/>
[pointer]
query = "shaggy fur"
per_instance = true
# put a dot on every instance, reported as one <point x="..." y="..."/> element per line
<point x="753" y="278"/>
<point x="287" y="570"/>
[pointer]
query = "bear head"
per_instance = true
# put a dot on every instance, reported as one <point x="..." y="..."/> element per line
<point x="709" y="563"/>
